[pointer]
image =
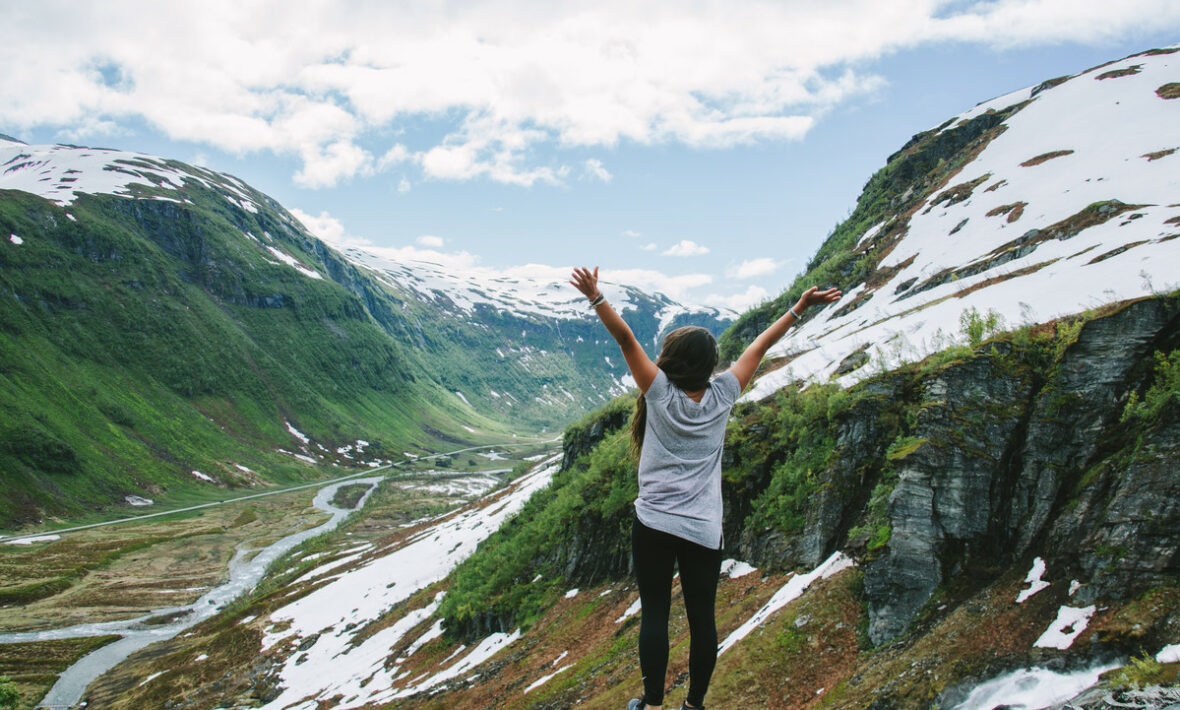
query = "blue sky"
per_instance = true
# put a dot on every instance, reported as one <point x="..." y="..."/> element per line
<point x="702" y="149"/>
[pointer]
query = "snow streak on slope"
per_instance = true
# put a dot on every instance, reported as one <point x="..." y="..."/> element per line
<point x="334" y="616"/>
<point x="1094" y="157"/>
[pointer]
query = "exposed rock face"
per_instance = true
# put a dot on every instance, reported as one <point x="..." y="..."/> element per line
<point x="1080" y="403"/>
<point x="1002" y="473"/>
<point x="949" y="494"/>
<point x="581" y="438"/>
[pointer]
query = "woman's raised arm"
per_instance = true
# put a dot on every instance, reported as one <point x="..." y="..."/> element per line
<point x="643" y="370"/>
<point x="745" y="365"/>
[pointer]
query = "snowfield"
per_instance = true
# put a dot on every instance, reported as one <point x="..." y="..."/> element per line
<point x="1111" y="139"/>
<point x="336" y="664"/>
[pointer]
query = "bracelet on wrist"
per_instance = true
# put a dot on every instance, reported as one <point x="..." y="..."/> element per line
<point x="597" y="300"/>
<point x="797" y="316"/>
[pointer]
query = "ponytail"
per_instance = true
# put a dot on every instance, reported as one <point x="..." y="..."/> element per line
<point x="638" y="425"/>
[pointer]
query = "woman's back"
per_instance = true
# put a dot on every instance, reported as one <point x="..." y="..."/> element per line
<point x="680" y="464"/>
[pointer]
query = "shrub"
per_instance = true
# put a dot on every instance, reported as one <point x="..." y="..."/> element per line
<point x="977" y="327"/>
<point x="1165" y="388"/>
<point x="9" y="696"/>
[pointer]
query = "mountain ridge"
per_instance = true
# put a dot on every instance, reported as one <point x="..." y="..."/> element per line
<point x="129" y="273"/>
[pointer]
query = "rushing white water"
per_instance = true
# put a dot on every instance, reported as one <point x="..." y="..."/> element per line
<point x="138" y="632"/>
<point x="1032" y="688"/>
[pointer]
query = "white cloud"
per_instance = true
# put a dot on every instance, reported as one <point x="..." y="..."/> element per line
<point x="750" y="268"/>
<point x="675" y="287"/>
<point x="739" y="302"/>
<point x="631" y="233"/>
<point x="507" y="82"/>
<point x="403" y="185"/>
<point x="429" y="240"/>
<point x="685" y="247"/>
<point x="329" y="230"/>
<point x="650" y="246"/>
<point x="594" y="169"/>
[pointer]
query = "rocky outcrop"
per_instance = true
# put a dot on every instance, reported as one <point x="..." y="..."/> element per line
<point x="580" y="438"/>
<point x="1010" y="466"/>
<point x="949" y="498"/>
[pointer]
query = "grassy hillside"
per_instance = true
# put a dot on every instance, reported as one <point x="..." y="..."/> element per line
<point x="141" y="340"/>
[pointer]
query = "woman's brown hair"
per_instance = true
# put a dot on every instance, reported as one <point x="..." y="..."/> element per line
<point x="687" y="357"/>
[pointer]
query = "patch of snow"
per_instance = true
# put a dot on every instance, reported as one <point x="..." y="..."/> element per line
<point x="138" y="500"/>
<point x="571" y="593"/>
<point x="246" y="620"/>
<point x="240" y="467"/>
<point x="1169" y="654"/>
<point x="293" y="263"/>
<point x="469" y="429"/>
<point x="200" y="658"/>
<point x="60" y="173"/>
<point x="1074" y="586"/>
<point x="1031" y="688"/>
<point x="329" y="566"/>
<point x="431" y="634"/>
<point x="296" y="433"/>
<point x="487" y="648"/>
<point x="1069" y="624"/>
<point x="1033" y="580"/>
<point x="31" y="540"/>
<point x="544" y="679"/>
<point x="150" y="678"/>
<point x="791" y="591"/>
<point x="336" y="664"/>
<point x="15" y="239"/>
<point x="301" y="457"/>
<point x="736" y="568"/>
<point x="631" y="611"/>
<point x="203" y="477"/>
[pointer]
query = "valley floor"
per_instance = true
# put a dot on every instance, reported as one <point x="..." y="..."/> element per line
<point x="349" y="620"/>
<point x="115" y="572"/>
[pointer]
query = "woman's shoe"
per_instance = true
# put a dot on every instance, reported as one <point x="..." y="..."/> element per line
<point x="635" y="704"/>
<point x="686" y="706"/>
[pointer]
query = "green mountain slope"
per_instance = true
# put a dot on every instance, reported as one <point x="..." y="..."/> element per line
<point x="143" y="340"/>
<point x="159" y="320"/>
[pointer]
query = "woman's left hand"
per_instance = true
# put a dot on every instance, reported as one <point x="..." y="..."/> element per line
<point x="586" y="281"/>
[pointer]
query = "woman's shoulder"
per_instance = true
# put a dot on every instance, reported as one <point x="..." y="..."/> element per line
<point x="727" y="387"/>
<point x="659" y="385"/>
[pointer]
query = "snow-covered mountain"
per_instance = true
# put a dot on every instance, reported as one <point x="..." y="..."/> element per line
<point x="1066" y="198"/>
<point x="549" y="349"/>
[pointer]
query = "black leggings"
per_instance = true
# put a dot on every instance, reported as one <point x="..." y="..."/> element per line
<point x="654" y="553"/>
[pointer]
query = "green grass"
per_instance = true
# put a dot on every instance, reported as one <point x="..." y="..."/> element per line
<point x="146" y="340"/>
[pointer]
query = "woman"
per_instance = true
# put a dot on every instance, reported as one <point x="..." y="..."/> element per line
<point x="679" y="428"/>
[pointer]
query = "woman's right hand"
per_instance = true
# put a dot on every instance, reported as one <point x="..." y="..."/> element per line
<point x="814" y="297"/>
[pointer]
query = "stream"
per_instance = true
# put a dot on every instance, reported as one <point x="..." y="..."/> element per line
<point x="140" y="632"/>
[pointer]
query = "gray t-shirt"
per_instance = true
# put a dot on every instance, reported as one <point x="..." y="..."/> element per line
<point x="680" y="466"/>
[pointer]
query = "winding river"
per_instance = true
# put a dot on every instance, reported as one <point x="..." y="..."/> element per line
<point x="139" y="632"/>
